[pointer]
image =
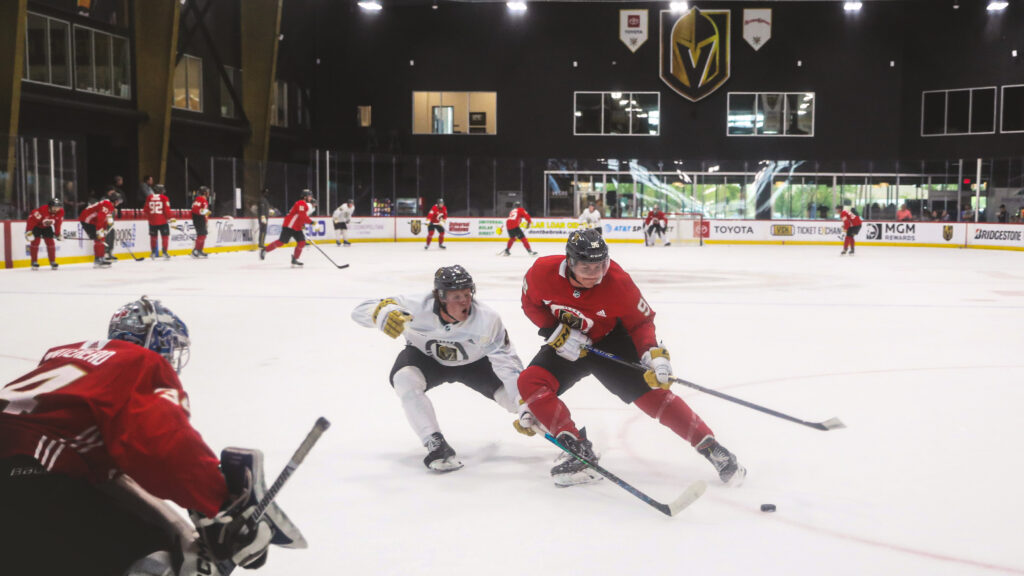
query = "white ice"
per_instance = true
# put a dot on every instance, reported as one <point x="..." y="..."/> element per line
<point x="918" y="351"/>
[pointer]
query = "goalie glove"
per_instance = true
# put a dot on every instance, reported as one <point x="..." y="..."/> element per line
<point x="391" y="318"/>
<point x="232" y="533"/>
<point x="659" y="368"/>
<point x="569" y="343"/>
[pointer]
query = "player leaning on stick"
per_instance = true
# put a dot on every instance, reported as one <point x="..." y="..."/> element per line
<point x="449" y="337"/>
<point x="97" y="220"/>
<point x="851" y="226"/>
<point x="96" y="436"/>
<point x="583" y="298"/>
<point x="44" y="223"/>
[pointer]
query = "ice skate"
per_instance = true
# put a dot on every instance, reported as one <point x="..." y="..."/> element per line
<point x="532" y="253"/>
<point x="263" y="252"/>
<point x="843" y="253"/>
<point x="101" y="263"/>
<point x="166" y="255"/>
<point x="154" y="255"/>
<point x="347" y="243"/>
<point x="506" y="252"/>
<point x="569" y="471"/>
<point x="296" y="263"/>
<point x="53" y="265"/>
<point x="440" y="456"/>
<point x="427" y="247"/>
<point x="195" y="253"/>
<point x="442" y="246"/>
<point x="337" y="242"/>
<point x="729" y="470"/>
<point x="35" y="266"/>
<point x="203" y="254"/>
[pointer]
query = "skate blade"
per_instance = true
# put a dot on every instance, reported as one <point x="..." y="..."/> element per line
<point x="449" y="464"/>
<point x="738" y="478"/>
<point x="587" y="476"/>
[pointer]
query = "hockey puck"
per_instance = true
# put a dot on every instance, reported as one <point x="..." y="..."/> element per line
<point x="767" y="507"/>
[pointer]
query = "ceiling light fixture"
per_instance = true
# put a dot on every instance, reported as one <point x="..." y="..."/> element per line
<point x="679" y="6"/>
<point x="997" y="5"/>
<point x="371" y="5"/>
<point x="516" y="6"/>
<point x="852" y="6"/>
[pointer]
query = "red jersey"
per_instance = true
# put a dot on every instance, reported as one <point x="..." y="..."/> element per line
<point x="548" y="299"/>
<point x="42" y="217"/>
<point x="200" y="206"/>
<point x="156" y="209"/>
<point x="93" y="409"/>
<point x="655" y="216"/>
<point x="299" y="216"/>
<point x="438" y="214"/>
<point x="849" y="219"/>
<point x="516" y="216"/>
<point x="100" y="214"/>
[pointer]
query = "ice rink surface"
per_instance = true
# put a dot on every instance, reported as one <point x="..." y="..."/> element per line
<point x="918" y="351"/>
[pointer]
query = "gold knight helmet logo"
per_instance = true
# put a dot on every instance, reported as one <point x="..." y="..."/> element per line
<point x="415" y="226"/>
<point x="695" y="51"/>
<point x="947" y="232"/>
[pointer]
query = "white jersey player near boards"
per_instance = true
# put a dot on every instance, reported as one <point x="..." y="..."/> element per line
<point x="450" y="337"/>
<point x="342" y="216"/>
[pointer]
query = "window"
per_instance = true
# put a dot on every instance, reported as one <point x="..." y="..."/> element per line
<point x="279" y="105"/>
<point x="1013" y="109"/>
<point x="960" y="111"/>
<point x="46" y="50"/>
<point x="227" y="103"/>
<point x="454" y="112"/>
<point x="617" y="113"/>
<point x="770" y="114"/>
<point x="101" y="63"/>
<point x="188" y="84"/>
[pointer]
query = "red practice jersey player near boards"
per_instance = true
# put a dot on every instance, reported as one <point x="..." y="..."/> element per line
<point x="656" y="223"/>
<point x="585" y="298"/>
<point x="157" y="210"/>
<point x="851" y="224"/>
<point x="436" y="218"/>
<point x="514" y="225"/>
<point x="97" y="222"/>
<point x="200" y="217"/>
<point x="292" y="227"/>
<point x="44" y="223"/>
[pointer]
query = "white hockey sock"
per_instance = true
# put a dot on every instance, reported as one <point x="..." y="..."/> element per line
<point x="411" y="387"/>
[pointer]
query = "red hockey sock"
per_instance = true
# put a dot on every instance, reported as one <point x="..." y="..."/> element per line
<point x="430" y="236"/>
<point x="853" y="243"/>
<point x="539" y="390"/>
<point x="33" y="250"/>
<point x="670" y="410"/>
<point x="200" y="242"/>
<point x="298" y="249"/>
<point x="440" y="237"/>
<point x="152" y="243"/>
<point x="51" y="250"/>
<point x="526" y="243"/>
<point x="164" y="240"/>
<point x="511" y="241"/>
<point x="99" y="249"/>
<point x="273" y="245"/>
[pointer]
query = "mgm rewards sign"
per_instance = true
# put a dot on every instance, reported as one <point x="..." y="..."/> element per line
<point x="695" y="51"/>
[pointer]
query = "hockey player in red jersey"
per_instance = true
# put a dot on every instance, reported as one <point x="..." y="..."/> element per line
<point x="851" y="224"/>
<point x="514" y="226"/>
<point x="98" y="223"/>
<point x="584" y="298"/>
<point x="655" y="224"/>
<point x="96" y="435"/>
<point x="200" y="214"/>
<point x="44" y="224"/>
<point x="436" y="219"/>
<point x="157" y="208"/>
<point x="292" y="227"/>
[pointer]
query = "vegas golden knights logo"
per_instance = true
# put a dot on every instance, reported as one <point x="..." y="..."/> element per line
<point x="447" y="354"/>
<point x="695" y="58"/>
<point x="947" y="232"/>
<point x="415" y="226"/>
<point x="569" y="319"/>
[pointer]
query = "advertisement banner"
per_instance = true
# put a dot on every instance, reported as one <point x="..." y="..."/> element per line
<point x="1004" y="236"/>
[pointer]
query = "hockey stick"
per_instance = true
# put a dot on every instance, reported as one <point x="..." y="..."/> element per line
<point x="322" y="424"/>
<point x="321" y="250"/>
<point x="830" y="424"/>
<point x="689" y="496"/>
<point x="130" y="253"/>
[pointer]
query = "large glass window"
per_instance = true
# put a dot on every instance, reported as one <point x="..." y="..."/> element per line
<point x="617" y="113"/>
<point x="961" y="111"/>
<point x="279" y="105"/>
<point x="1012" y="117"/>
<point x="102" y="63"/>
<point x="770" y="114"/>
<point x="454" y="112"/>
<point x="227" y="103"/>
<point x="46" y="50"/>
<point x="188" y="84"/>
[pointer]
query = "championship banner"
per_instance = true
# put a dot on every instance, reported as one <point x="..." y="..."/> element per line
<point x="633" y="28"/>
<point x="695" y="51"/>
<point x="757" y="26"/>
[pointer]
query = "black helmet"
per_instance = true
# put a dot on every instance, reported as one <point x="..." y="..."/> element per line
<point x="115" y="197"/>
<point x="205" y="190"/>
<point x="55" y="203"/>
<point x="586" y="246"/>
<point x="517" y="204"/>
<point x="306" y="192"/>
<point x="440" y="201"/>
<point x="159" y="188"/>
<point x="452" y="278"/>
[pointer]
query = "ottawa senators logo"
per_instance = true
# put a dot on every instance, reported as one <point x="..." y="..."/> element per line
<point x="695" y="51"/>
<point x="415" y="226"/>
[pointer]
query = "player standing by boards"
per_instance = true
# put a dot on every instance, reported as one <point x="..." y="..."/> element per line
<point x="97" y="221"/>
<point x="96" y="436"/>
<point x="851" y="224"/>
<point x="200" y="218"/>
<point x="584" y="298"/>
<point x="449" y="337"/>
<point x="436" y="219"/>
<point x="656" y="223"/>
<point x="44" y="224"/>
<point x="157" y="208"/>
<point x="342" y="216"/>
<point x="591" y="218"/>
<point x="514" y="226"/>
<point x="292" y="227"/>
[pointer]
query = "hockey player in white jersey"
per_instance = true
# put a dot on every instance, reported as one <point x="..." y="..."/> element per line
<point x="342" y="216"/>
<point x="591" y="218"/>
<point x="450" y="337"/>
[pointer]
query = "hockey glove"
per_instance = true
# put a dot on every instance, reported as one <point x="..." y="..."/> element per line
<point x="391" y="318"/>
<point x="526" y="422"/>
<point x="659" y="368"/>
<point x="29" y="236"/>
<point x="526" y="225"/>
<point x="232" y="533"/>
<point x="263" y="219"/>
<point x="569" y="343"/>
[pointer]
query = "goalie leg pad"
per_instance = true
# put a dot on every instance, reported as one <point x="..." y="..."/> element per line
<point x="235" y="462"/>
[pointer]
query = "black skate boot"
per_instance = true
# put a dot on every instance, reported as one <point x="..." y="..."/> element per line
<point x="35" y="266"/>
<point x="203" y="254"/>
<point x="533" y="253"/>
<point x="166" y="255"/>
<point x="506" y="253"/>
<point x="729" y="470"/>
<point x="263" y="252"/>
<point x="296" y="263"/>
<point x="54" y="265"/>
<point x="101" y="263"/>
<point x="442" y="246"/>
<point x="440" y="456"/>
<point x="569" y="471"/>
<point x="347" y="243"/>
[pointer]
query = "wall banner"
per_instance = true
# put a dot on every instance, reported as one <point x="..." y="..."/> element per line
<point x="633" y="28"/>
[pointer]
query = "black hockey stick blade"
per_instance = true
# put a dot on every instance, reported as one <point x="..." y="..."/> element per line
<point x="336" y="265"/>
<point x="689" y="496"/>
<point x="130" y="253"/>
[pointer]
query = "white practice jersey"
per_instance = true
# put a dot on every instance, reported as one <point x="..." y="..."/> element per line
<point x="590" y="219"/>
<point x="481" y="335"/>
<point x="343" y="214"/>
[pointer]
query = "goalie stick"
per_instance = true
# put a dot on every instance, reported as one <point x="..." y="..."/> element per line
<point x="830" y="424"/>
<point x="689" y="496"/>
<point x="321" y="250"/>
<point x="322" y="424"/>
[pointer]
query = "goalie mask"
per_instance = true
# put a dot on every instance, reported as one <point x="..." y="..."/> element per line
<point x="586" y="256"/>
<point x="151" y="325"/>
